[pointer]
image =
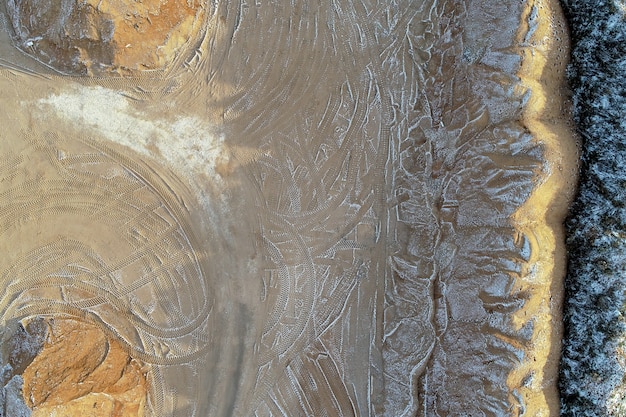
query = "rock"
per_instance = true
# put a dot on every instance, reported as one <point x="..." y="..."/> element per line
<point x="93" y="37"/>
<point x="11" y="401"/>
<point x="82" y="372"/>
<point x="19" y="346"/>
<point x="94" y="405"/>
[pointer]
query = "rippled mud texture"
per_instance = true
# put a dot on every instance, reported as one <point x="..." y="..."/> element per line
<point x="119" y="36"/>
<point x="92" y="235"/>
<point x="594" y="355"/>
<point x="329" y="208"/>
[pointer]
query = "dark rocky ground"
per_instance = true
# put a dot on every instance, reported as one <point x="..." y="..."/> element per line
<point x="593" y="361"/>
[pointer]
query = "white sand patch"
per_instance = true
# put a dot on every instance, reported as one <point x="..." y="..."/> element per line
<point x="188" y="144"/>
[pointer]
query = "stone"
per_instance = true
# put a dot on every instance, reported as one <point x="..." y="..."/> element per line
<point x="19" y="345"/>
<point x="93" y="37"/>
<point x="11" y="400"/>
<point x="82" y="372"/>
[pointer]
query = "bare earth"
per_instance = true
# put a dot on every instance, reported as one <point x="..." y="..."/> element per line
<point x="315" y="208"/>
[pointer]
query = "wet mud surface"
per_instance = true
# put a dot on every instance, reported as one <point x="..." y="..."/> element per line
<point x="333" y="208"/>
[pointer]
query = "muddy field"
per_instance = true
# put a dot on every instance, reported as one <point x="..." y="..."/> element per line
<point x="315" y="208"/>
